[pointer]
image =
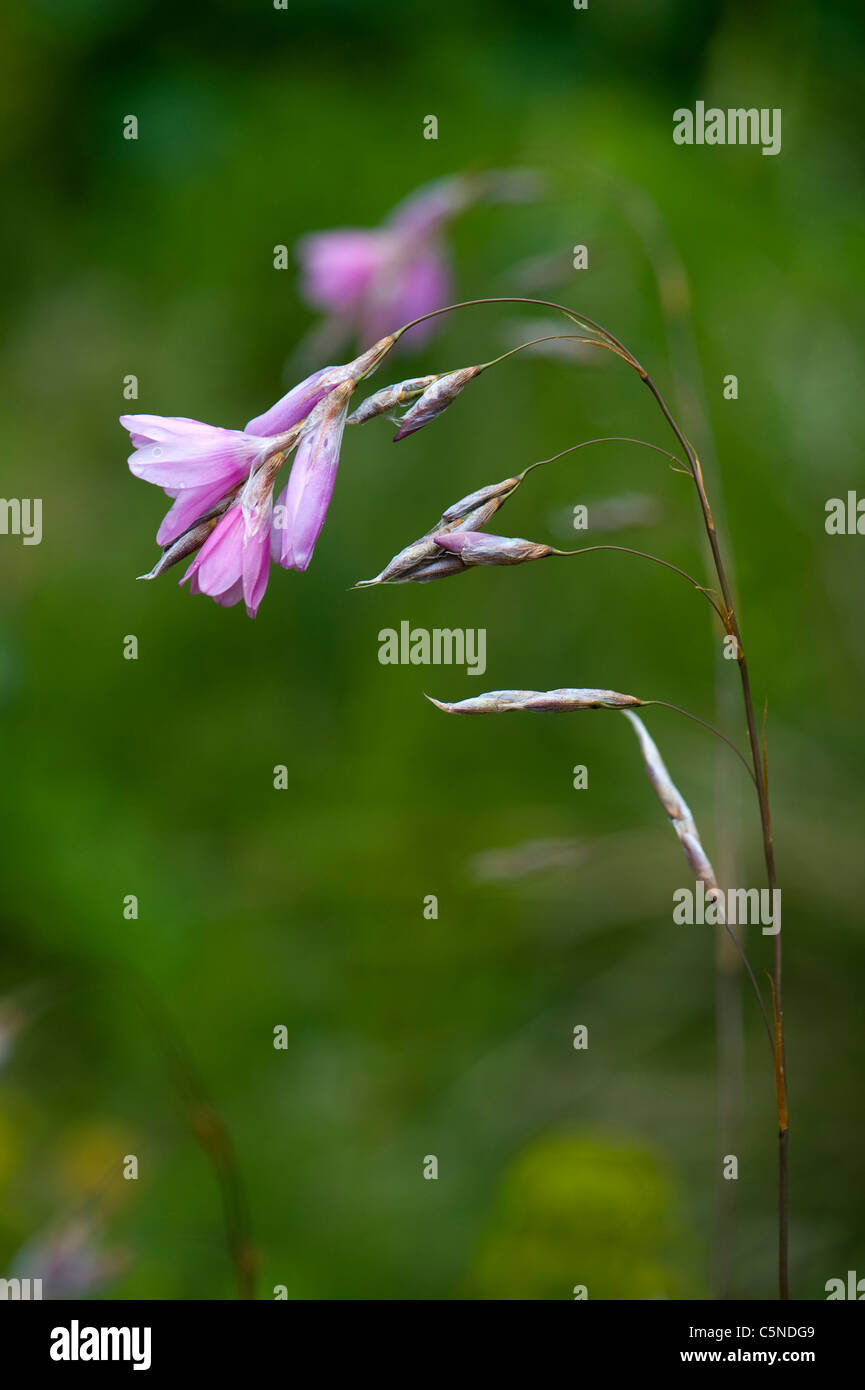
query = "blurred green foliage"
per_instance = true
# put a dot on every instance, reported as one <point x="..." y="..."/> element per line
<point x="570" y="1202"/>
<point x="304" y="908"/>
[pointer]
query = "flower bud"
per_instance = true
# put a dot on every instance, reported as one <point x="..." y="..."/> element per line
<point x="388" y="398"/>
<point x="477" y="502"/>
<point x="435" y="399"/>
<point x="478" y="548"/>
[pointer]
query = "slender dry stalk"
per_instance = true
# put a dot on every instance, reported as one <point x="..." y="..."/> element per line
<point x="674" y="297"/>
<point x="603" y="338"/>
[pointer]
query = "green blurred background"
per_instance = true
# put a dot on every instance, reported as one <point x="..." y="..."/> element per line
<point x="304" y="908"/>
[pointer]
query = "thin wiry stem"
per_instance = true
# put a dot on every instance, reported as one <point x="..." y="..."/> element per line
<point x="605" y="439"/>
<point x="581" y="320"/>
<point x="747" y="964"/>
<point x="665" y="704"/>
<point x="645" y="555"/>
<point x="533" y="342"/>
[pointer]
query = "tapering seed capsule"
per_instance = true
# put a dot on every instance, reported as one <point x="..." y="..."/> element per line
<point x="478" y="548"/>
<point x="555" y="701"/>
<point x="435" y="399"/>
<point x="388" y="398"/>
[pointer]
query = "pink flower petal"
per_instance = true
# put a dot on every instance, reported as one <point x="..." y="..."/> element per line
<point x="218" y="564"/>
<point x="295" y="405"/>
<point x="192" y="502"/>
<point x="313" y="475"/>
<point x="177" y="454"/>
<point x="230" y="597"/>
<point x="257" y="507"/>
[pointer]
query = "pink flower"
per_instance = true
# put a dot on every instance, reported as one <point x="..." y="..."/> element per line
<point x="376" y="279"/>
<point x="222" y="481"/>
<point x="234" y="561"/>
<point x="370" y="281"/>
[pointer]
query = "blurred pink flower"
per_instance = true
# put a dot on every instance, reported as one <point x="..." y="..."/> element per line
<point x="70" y="1260"/>
<point x="371" y="281"/>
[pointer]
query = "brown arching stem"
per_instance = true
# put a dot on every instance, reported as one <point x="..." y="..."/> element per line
<point x="731" y="624"/>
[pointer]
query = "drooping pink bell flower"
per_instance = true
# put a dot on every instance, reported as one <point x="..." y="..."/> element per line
<point x="234" y="561"/>
<point x="197" y="464"/>
<point x="303" y="505"/>
<point x="222" y="482"/>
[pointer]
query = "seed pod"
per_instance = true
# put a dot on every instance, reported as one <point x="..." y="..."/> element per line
<point x="470" y="513"/>
<point x="701" y="867"/>
<point x="405" y="564"/>
<point x="435" y="399"/>
<point x="388" y="398"/>
<point x="478" y="548"/>
<point x="676" y="808"/>
<point x="439" y="568"/>
<point x="556" y="701"/>
<point x="497" y="492"/>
